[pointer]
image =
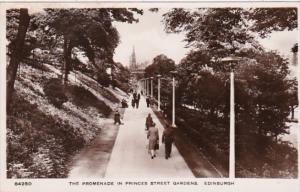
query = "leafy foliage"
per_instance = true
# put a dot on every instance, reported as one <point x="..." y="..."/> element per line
<point x="121" y="76"/>
<point x="161" y="64"/>
<point x="222" y="31"/>
<point x="90" y="29"/>
<point x="84" y="98"/>
<point x="54" y="91"/>
<point x="28" y="154"/>
<point x="225" y="31"/>
<point x="263" y="92"/>
<point x="267" y="20"/>
<point x="103" y="78"/>
<point x="12" y="16"/>
<point x="295" y="48"/>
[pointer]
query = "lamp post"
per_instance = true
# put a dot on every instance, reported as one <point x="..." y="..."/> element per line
<point x="151" y="86"/>
<point x="143" y="86"/>
<point x="232" y="61"/>
<point x="146" y="87"/>
<point x="158" y="92"/>
<point x="173" y="99"/>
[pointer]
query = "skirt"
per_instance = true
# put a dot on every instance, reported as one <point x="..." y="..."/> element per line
<point x="152" y="144"/>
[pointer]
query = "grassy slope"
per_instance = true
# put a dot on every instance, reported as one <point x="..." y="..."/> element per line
<point x="42" y="137"/>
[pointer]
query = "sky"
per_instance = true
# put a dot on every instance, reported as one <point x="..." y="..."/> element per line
<point x="149" y="39"/>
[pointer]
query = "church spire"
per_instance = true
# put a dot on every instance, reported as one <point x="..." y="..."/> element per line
<point x="133" y="59"/>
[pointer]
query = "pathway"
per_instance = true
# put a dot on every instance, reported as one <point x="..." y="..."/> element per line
<point x="92" y="160"/>
<point x="130" y="156"/>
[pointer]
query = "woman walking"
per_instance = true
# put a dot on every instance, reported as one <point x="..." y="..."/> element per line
<point x="149" y="121"/>
<point x="153" y="137"/>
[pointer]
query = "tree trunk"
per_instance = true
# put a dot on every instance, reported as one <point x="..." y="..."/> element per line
<point x="91" y="52"/>
<point x="67" y="57"/>
<point x="17" y="54"/>
<point x="293" y="112"/>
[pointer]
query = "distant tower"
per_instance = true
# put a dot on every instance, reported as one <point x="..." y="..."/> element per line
<point x="133" y="64"/>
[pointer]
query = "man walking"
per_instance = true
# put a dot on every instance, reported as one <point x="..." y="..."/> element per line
<point x="138" y="100"/>
<point x="168" y="138"/>
<point x="134" y="95"/>
<point x="133" y="102"/>
<point x="117" y="118"/>
<point x="148" y="101"/>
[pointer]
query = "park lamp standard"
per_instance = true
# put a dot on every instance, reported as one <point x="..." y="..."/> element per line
<point x="141" y="82"/>
<point x="145" y="85"/>
<point x="232" y="61"/>
<point x="148" y="87"/>
<point x="173" y="97"/>
<point x="158" y="92"/>
<point x="151" y="86"/>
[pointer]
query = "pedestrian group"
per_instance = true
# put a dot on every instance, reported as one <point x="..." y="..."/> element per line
<point x="153" y="138"/>
<point x="151" y="129"/>
<point x="135" y="100"/>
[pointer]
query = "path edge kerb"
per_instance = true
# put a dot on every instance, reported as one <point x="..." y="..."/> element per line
<point x="116" y="136"/>
<point x="164" y="123"/>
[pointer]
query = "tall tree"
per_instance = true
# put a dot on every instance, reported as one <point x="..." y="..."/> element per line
<point x="222" y="31"/>
<point x="200" y="86"/>
<point x="263" y="94"/>
<point x="161" y="64"/>
<point x="90" y="29"/>
<point x="225" y="31"/>
<point x="17" y="53"/>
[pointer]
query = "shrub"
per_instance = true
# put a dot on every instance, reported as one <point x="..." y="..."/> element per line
<point x="84" y="98"/>
<point x="54" y="91"/>
<point x="36" y="64"/>
<point x="107" y="94"/>
<point x="276" y="159"/>
<point x="211" y="136"/>
<point x="123" y="86"/>
<point x="103" y="78"/>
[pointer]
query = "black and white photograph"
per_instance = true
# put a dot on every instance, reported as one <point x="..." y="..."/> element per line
<point x="194" y="92"/>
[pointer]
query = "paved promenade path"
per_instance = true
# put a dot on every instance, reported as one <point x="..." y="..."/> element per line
<point x="130" y="156"/>
<point x="92" y="160"/>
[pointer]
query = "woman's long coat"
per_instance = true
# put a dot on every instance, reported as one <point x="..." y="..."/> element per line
<point x="153" y="137"/>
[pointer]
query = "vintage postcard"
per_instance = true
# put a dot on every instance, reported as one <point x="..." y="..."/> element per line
<point x="149" y="96"/>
